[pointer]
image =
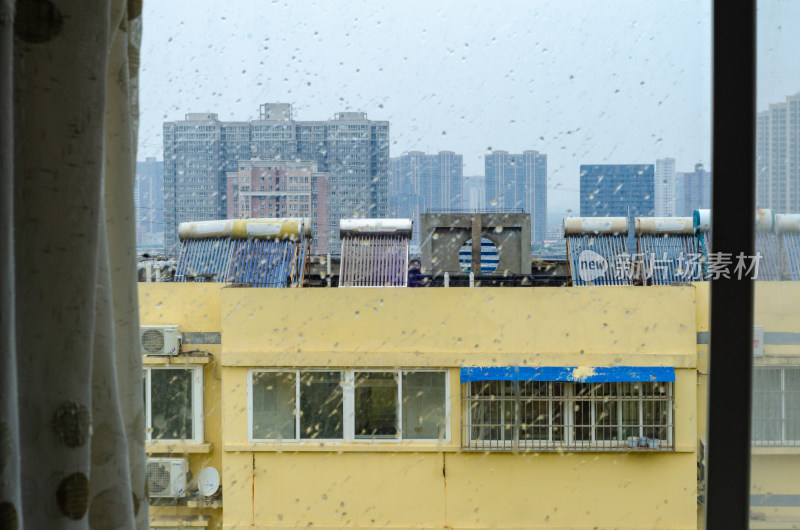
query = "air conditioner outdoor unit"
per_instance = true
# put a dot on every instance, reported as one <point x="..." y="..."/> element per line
<point x="166" y="477"/>
<point x="159" y="340"/>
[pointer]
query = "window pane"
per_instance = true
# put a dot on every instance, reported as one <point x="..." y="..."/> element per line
<point x="321" y="406"/>
<point x="376" y="405"/>
<point x="535" y="410"/>
<point x="485" y="410"/>
<point x="273" y="405"/>
<point x="767" y="405"/>
<point x="509" y="409"/>
<point x="171" y="404"/>
<point x="655" y="410"/>
<point x="424" y="405"/>
<point x="558" y="411"/>
<point x="629" y="395"/>
<point x="606" y="412"/>
<point x="582" y="415"/>
<point x="792" y="405"/>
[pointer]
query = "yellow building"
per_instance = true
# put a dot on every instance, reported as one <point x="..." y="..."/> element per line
<point x="775" y="465"/>
<point x="439" y="408"/>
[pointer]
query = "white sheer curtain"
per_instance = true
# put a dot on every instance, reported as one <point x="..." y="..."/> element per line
<point x="71" y="418"/>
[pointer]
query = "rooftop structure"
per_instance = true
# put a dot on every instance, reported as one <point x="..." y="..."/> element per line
<point x="256" y="252"/>
<point x="445" y="234"/>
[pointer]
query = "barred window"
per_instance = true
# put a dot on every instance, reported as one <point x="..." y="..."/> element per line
<point x="776" y="405"/>
<point x="549" y="415"/>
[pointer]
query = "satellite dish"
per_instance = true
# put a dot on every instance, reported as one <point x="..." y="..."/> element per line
<point x="208" y="481"/>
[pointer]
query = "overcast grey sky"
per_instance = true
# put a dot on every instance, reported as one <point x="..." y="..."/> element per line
<point x="622" y="81"/>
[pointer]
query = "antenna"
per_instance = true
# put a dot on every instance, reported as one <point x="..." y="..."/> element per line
<point x="208" y="481"/>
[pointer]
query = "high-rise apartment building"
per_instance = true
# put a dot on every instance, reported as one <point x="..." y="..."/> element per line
<point x="474" y="194"/>
<point x="270" y="189"/>
<point x="200" y="150"/>
<point x="692" y="191"/>
<point x="421" y="183"/>
<point x="665" y="187"/>
<point x="616" y="190"/>
<point x="149" y="198"/>
<point x="518" y="181"/>
<point x="778" y="156"/>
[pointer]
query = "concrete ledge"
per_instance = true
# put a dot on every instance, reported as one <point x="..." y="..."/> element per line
<point x="774" y="450"/>
<point x="410" y="447"/>
<point x="177" y="447"/>
<point x="178" y="360"/>
<point x="452" y="360"/>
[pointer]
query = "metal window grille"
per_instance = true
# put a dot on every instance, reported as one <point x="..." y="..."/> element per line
<point x="551" y="416"/>
<point x="776" y="416"/>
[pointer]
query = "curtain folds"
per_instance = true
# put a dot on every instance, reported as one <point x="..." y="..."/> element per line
<point x="71" y="406"/>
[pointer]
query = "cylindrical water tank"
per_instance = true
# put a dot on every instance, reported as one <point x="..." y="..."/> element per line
<point x="349" y="227"/>
<point x="281" y="228"/>
<point x="663" y="225"/>
<point x="595" y="225"/>
<point x="787" y="222"/>
<point x="702" y="220"/>
<point x="205" y="229"/>
<point x="765" y="220"/>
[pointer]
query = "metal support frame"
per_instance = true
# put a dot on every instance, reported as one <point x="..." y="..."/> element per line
<point x="731" y="340"/>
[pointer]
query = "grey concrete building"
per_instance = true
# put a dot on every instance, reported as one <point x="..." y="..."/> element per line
<point x="473" y="197"/>
<point x="692" y="191"/>
<point x="665" y="187"/>
<point x="422" y="183"/>
<point x="149" y="201"/>
<point x="778" y="156"/>
<point x="518" y="181"/>
<point x="201" y="149"/>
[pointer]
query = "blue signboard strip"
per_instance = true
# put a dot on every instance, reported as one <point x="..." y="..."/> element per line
<point x="582" y="374"/>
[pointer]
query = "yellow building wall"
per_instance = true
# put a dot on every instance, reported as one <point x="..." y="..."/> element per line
<point x="448" y="328"/>
<point x="405" y="485"/>
<point x="195" y="308"/>
<point x="774" y="470"/>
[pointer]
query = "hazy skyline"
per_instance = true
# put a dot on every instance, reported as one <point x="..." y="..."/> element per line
<point x="584" y="82"/>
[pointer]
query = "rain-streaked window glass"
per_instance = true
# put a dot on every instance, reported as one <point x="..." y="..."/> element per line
<point x="376" y="411"/>
<point x="322" y="398"/>
<point x="775" y="424"/>
<point x="424" y="405"/>
<point x="321" y="405"/>
<point x="173" y="399"/>
<point x="273" y="405"/>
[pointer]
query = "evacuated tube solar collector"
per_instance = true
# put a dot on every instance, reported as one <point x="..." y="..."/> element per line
<point x="374" y="252"/>
<point x="258" y="252"/>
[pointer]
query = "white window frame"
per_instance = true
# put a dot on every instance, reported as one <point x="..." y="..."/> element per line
<point x="348" y="406"/>
<point x="569" y="401"/>
<point x="198" y="428"/>
<point x="783" y="441"/>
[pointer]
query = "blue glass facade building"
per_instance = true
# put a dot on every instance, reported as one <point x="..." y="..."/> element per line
<point x="616" y="190"/>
